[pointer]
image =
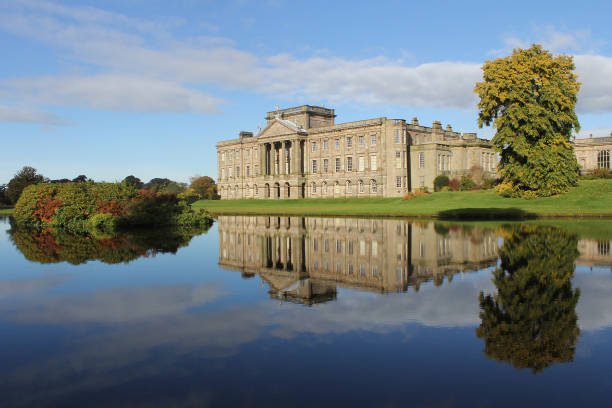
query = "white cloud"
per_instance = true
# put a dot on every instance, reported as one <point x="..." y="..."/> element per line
<point x="114" y="92"/>
<point x="8" y="114"/>
<point x="595" y="73"/>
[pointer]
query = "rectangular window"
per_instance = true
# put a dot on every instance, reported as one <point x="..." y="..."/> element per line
<point x="349" y="164"/>
<point x="398" y="182"/>
<point x="248" y="171"/>
<point x="349" y="141"/>
<point x="403" y="136"/>
<point x="374" y="248"/>
<point x="404" y="181"/>
<point x="223" y="156"/>
<point x="314" y="146"/>
<point x="222" y="174"/>
<point x="325" y="144"/>
<point x="338" y="246"/>
<point x="337" y="165"/>
<point x="230" y="171"/>
<point x="362" y="247"/>
<point x="237" y="154"/>
<point x="350" y="247"/>
<point x="421" y="181"/>
<point x="373" y="140"/>
<point x="315" y="244"/>
<point x="248" y="154"/>
<point x="361" y="141"/>
<point x="350" y="269"/>
<point x="325" y="165"/>
<point x="256" y="170"/>
<point x="398" y="160"/>
<point x="326" y="245"/>
<point x="398" y="136"/>
<point x="361" y="163"/>
<point x="237" y="171"/>
<point x="372" y="162"/>
<point x="337" y="144"/>
<point x="421" y="160"/>
<point x="314" y="167"/>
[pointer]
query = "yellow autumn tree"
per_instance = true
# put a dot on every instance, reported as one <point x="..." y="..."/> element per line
<point x="529" y="97"/>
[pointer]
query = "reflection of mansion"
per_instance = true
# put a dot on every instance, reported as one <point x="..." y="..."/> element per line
<point x="304" y="259"/>
<point x="302" y="153"/>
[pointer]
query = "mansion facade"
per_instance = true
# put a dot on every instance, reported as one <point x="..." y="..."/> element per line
<point x="303" y="153"/>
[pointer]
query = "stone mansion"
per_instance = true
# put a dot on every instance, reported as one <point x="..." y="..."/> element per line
<point x="302" y="153"/>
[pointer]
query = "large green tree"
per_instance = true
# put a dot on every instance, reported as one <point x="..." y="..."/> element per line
<point x="530" y="98"/>
<point x="531" y="321"/>
<point x="24" y="177"/>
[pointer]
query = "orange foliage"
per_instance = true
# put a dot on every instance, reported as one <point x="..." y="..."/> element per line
<point x="415" y="194"/>
<point x="110" y="207"/>
<point x="46" y="208"/>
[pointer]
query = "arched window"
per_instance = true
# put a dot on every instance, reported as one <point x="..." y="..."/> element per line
<point x="256" y="191"/>
<point x="314" y="187"/>
<point x="373" y="187"/>
<point x="248" y="190"/>
<point x="361" y="186"/>
<point x="349" y="188"/>
<point x="337" y="188"/>
<point x="325" y="188"/>
<point x="603" y="159"/>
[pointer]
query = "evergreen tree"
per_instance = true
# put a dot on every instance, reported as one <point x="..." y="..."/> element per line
<point x="530" y="97"/>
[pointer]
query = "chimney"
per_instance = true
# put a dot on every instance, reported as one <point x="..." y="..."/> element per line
<point x="449" y="128"/>
<point x="244" y="134"/>
<point x="415" y="121"/>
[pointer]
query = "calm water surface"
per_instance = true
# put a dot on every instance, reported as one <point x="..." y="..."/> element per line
<point x="269" y="311"/>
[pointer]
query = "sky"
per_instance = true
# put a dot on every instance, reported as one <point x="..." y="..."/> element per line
<point x="148" y="87"/>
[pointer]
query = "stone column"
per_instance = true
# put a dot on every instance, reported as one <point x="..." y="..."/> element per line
<point x="281" y="158"/>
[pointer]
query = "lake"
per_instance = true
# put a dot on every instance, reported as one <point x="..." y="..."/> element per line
<point x="294" y="311"/>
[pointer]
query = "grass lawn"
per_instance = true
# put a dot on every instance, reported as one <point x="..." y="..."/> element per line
<point x="590" y="198"/>
<point x="6" y="211"/>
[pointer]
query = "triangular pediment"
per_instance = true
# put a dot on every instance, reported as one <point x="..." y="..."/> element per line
<point x="279" y="127"/>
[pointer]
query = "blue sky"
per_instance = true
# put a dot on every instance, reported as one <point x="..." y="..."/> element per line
<point x="147" y="87"/>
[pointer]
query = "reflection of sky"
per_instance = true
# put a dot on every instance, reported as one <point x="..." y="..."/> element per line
<point x="112" y="325"/>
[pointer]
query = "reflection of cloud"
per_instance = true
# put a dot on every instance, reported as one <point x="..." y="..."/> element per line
<point x="117" y="305"/>
<point x="10" y="288"/>
<point x="595" y="304"/>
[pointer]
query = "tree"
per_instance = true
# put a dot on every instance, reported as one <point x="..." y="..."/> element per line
<point x="531" y="321"/>
<point x="530" y="97"/>
<point x="157" y="184"/>
<point x="4" y="198"/>
<point x="133" y="181"/>
<point x="80" y="179"/>
<point x="26" y="176"/>
<point x="204" y="186"/>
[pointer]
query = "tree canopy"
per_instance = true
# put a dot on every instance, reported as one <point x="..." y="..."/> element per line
<point x="530" y="98"/>
<point x="133" y="181"/>
<point x="24" y="177"/>
<point x="204" y="186"/>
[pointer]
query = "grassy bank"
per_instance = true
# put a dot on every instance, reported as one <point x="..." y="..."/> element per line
<point x="6" y="211"/>
<point x="592" y="198"/>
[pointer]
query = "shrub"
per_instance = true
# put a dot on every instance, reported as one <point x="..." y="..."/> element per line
<point x="80" y="207"/>
<point x="466" y="183"/>
<point x="488" y="183"/>
<point x="453" y="184"/>
<point x="602" y="173"/>
<point x="440" y="181"/>
<point x="416" y="194"/>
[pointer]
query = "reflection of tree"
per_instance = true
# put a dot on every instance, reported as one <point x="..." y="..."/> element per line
<point x="48" y="246"/>
<point x="531" y="322"/>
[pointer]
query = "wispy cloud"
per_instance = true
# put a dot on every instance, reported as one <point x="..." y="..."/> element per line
<point x="14" y="115"/>
<point x="128" y="64"/>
